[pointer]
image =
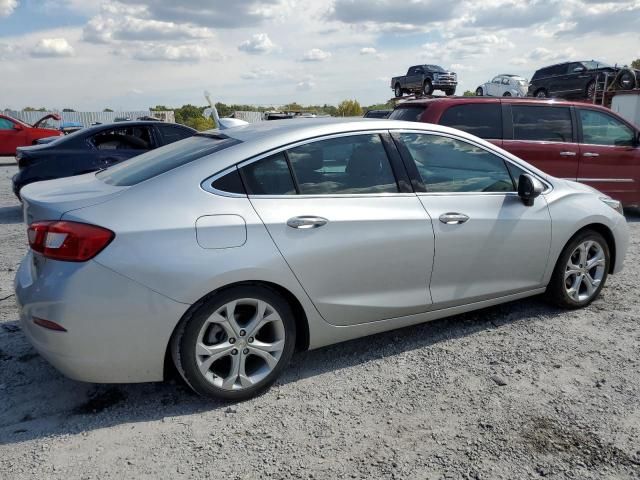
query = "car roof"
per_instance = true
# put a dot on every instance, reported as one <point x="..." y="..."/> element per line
<point x="129" y="123"/>
<point x="527" y="100"/>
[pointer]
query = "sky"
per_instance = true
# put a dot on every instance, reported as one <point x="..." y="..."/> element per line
<point x="133" y="54"/>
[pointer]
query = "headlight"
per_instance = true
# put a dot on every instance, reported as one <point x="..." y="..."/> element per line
<point x="436" y="76"/>
<point x="615" y="204"/>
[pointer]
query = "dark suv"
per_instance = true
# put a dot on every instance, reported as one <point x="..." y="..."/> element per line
<point x="573" y="140"/>
<point x="579" y="79"/>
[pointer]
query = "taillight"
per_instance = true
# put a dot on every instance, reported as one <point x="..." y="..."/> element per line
<point x="68" y="241"/>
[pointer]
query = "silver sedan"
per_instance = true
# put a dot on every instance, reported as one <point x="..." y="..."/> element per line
<point x="227" y="251"/>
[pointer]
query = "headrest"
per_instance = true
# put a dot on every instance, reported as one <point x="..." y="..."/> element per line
<point x="306" y="159"/>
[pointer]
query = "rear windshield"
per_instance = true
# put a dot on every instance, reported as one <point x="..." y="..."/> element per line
<point x="161" y="160"/>
<point x="411" y="114"/>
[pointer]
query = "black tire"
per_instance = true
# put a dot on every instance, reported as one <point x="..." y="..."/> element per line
<point x="557" y="289"/>
<point x="626" y="79"/>
<point x="183" y="345"/>
<point x="479" y="92"/>
<point x="507" y="94"/>
<point x="427" y="87"/>
<point x="590" y="89"/>
<point x="450" y="92"/>
<point x="541" y="93"/>
<point x="397" y="90"/>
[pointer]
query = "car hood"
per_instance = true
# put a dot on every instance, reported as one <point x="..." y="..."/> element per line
<point x="581" y="187"/>
<point x="53" y="116"/>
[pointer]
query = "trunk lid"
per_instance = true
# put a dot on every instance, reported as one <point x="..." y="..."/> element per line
<point x="52" y="116"/>
<point x="51" y="199"/>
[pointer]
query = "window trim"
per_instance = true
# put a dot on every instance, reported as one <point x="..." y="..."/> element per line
<point x="580" y="138"/>
<point x="307" y="141"/>
<point x="417" y="180"/>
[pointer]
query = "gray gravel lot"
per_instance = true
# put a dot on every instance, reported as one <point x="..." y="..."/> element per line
<point x="522" y="390"/>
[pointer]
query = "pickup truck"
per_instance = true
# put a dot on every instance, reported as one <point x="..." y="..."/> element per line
<point x="424" y="79"/>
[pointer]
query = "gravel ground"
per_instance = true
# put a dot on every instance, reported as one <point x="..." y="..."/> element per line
<point x="517" y="391"/>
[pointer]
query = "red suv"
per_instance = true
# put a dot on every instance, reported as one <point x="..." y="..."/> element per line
<point x="572" y="140"/>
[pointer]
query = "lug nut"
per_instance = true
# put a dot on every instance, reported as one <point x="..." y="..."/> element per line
<point x="250" y="340"/>
<point x="234" y="351"/>
<point x="232" y="341"/>
<point x="245" y="351"/>
<point x="242" y="333"/>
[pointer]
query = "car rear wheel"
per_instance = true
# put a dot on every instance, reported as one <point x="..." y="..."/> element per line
<point x="581" y="271"/>
<point x="235" y="344"/>
<point x="398" y="90"/>
<point x="427" y="87"/>
<point x="591" y="89"/>
<point x="507" y="94"/>
<point x="479" y="92"/>
<point x="542" y="93"/>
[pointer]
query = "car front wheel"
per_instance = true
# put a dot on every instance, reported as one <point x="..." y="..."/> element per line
<point x="581" y="271"/>
<point x="236" y="343"/>
<point x="479" y="92"/>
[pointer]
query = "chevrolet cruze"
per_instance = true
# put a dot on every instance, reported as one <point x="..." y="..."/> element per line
<point x="227" y="251"/>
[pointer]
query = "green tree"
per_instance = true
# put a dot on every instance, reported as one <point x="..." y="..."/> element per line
<point x="193" y="117"/>
<point x="349" y="108"/>
<point x="636" y="63"/>
<point x="31" y="109"/>
<point x="469" y="93"/>
<point x="160" y="108"/>
<point x="68" y="110"/>
<point x="107" y="110"/>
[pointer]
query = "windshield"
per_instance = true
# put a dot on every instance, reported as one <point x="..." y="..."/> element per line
<point x="434" y="68"/>
<point x="163" y="159"/>
<point x="593" y="65"/>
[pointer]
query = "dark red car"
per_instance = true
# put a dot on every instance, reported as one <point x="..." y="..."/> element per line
<point x="14" y="133"/>
<point x="573" y="140"/>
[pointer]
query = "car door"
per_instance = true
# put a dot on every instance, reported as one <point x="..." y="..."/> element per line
<point x="609" y="155"/>
<point x="414" y="80"/>
<point x="493" y="87"/>
<point x="345" y="220"/>
<point x="487" y="242"/>
<point x="543" y="135"/>
<point x="10" y="137"/>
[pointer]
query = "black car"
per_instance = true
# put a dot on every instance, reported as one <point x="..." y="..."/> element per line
<point x="377" y="113"/>
<point x="579" y="79"/>
<point x="92" y="149"/>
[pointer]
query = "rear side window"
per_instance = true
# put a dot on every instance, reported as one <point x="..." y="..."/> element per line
<point x="410" y="114"/>
<point x="542" y="123"/>
<point x="269" y="176"/>
<point x="127" y="138"/>
<point x="448" y="165"/>
<point x="229" y="183"/>
<point x="163" y="159"/>
<point x="481" y="120"/>
<point x="171" y="133"/>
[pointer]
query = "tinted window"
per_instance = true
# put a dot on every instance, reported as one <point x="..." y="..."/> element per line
<point x="171" y="133"/>
<point x="601" y="129"/>
<point x="354" y="164"/>
<point x="482" y="120"/>
<point x="449" y="165"/>
<point x="410" y="114"/>
<point x="129" y="138"/>
<point x="515" y="172"/>
<point x="5" y="124"/>
<point x="541" y="123"/>
<point x="230" y="183"/>
<point x="161" y="160"/>
<point x="269" y="176"/>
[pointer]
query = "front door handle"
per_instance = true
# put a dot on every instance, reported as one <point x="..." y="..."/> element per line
<point x="590" y="154"/>
<point x="567" y="154"/>
<point x="453" y="218"/>
<point x="306" y="222"/>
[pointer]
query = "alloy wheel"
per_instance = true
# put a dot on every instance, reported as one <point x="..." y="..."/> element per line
<point x="240" y="344"/>
<point x="584" y="271"/>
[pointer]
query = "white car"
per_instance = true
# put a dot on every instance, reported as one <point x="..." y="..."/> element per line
<point x="504" y="85"/>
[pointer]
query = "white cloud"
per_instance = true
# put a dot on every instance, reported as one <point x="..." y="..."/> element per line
<point x="305" y="85"/>
<point x="368" y="51"/>
<point x="173" y="53"/>
<point x="7" y="7"/>
<point x="52" y="47"/>
<point x="259" y="73"/>
<point x="316" y="55"/>
<point x="544" y="55"/>
<point x="257" y="44"/>
<point x="105" y="29"/>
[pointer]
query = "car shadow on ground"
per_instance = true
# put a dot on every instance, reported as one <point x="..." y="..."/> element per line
<point x="41" y="402"/>
<point x="632" y="214"/>
<point x="10" y="215"/>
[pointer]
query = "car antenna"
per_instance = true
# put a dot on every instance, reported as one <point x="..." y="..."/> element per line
<point x="221" y="123"/>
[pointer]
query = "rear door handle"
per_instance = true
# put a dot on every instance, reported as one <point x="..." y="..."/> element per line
<point x="568" y="154"/>
<point x="453" y="218"/>
<point x="306" y="222"/>
<point x="590" y="154"/>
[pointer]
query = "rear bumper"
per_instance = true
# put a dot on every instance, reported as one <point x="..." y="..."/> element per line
<point x="117" y="329"/>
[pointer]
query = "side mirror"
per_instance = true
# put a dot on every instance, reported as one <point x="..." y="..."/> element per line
<point x="17" y="126"/>
<point x="579" y="69"/>
<point x="529" y="188"/>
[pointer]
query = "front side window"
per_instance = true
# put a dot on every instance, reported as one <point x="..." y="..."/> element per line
<point x="598" y="128"/>
<point x="542" y="123"/>
<point x="409" y="114"/>
<point x="448" y="165"/>
<point x="497" y="80"/>
<point x="346" y="165"/>
<point x="483" y="120"/>
<point x="6" y="124"/>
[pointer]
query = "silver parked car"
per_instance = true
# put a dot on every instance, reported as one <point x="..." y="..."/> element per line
<point x="504" y="85"/>
<point x="229" y="250"/>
